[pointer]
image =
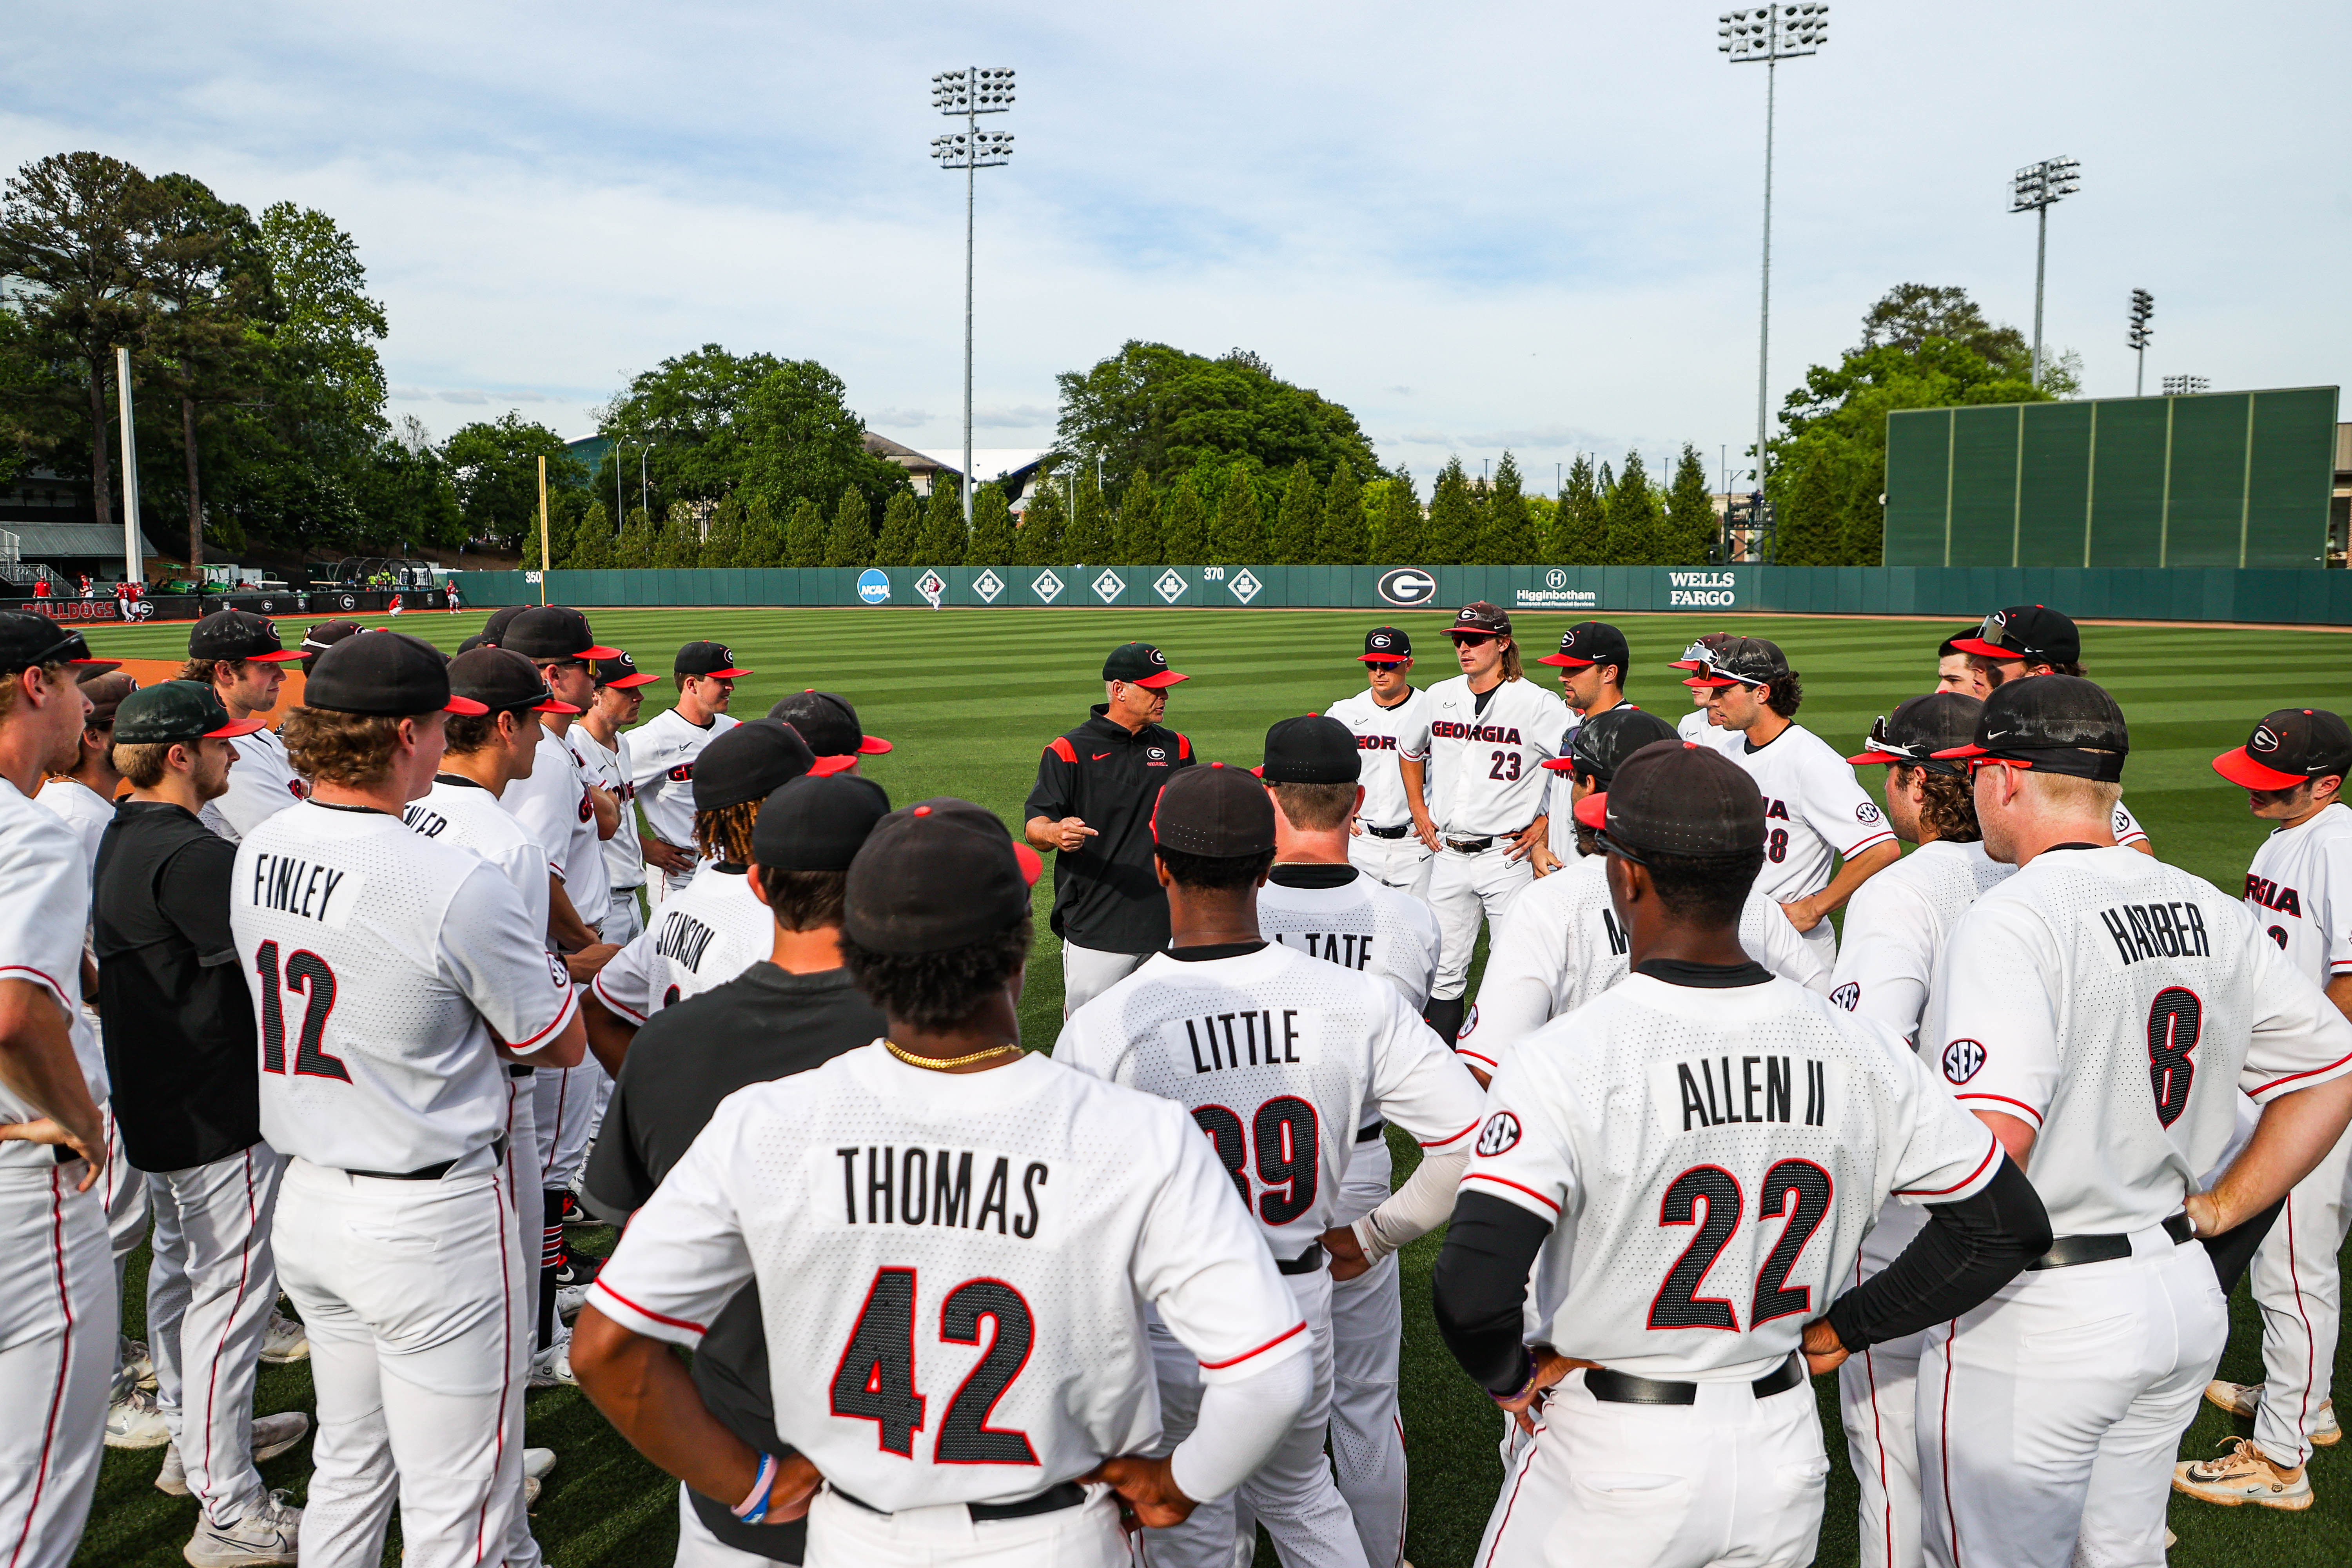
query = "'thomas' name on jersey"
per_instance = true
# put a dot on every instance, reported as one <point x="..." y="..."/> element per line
<point x="1563" y="946"/>
<point x="2299" y="891"/>
<point x="384" y="968"/>
<point x="954" y="1269"/>
<point x="1814" y="811"/>
<point x="1339" y="915"/>
<point x="44" y="916"/>
<point x="704" y="934"/>
<point x="1385" y="736"/>
<point x="460" y="812"/>
<point x="2116" y="1006"/>
<point x="662" y="751"/>
<point x="1486" y="759"/>
<point x="1280" y="1058"/>
<point x="1710" y="1159"/>
<point x="1897" y="927"/>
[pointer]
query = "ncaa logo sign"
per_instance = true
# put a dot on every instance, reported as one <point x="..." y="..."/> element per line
<point x="1962" y="1059"/>
<point x="1408" y="586"/>
<point x="1499" y="1135"/>
<point x="874" y="585"/>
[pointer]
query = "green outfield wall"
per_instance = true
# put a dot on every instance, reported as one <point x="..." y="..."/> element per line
<point x="2296" y="596"/>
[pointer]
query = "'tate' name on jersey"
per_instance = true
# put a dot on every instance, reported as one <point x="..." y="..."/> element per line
<point x="1347" y="949"/>
<point x="919" y="1186"/>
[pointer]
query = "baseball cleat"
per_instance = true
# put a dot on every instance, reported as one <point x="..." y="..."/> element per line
<point x="573" y="1213"/>
<point x="134" y="1422"/>
<point x="270" y="1436"/>
<point x="269" y="1533"/>
<point x="536" y="1463"/>
<point x="137" y="1364"/>
<point x="286" y="1340"/>
<point x="2244" y="1474"/>
<point x="551" y="1368"/>
<point x="2243" y="1399"/>
<point x="172" y="1479"/>
<point x="2328" y="1433"/>
<point x="572" y="1277"/>
<point x="2170" y="1539"/>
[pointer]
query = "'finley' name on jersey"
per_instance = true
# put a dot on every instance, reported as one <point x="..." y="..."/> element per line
<point x="303" y="887"/>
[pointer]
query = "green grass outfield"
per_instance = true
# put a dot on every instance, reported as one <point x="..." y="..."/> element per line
<point x="970" y="697"/>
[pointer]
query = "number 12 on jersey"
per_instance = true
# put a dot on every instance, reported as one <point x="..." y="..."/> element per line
<point x="307" y="976"/>
<point x="876" y="1379"/>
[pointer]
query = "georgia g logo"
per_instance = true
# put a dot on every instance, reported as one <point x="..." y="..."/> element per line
<point x="1159" y="658"/>
<point x="558" y="974"/>
<point x="1962" y="1059"/>
<point x="1382" y="639"/>
<point x="1499" y="1135"/>
<point x="2263" y="740"/>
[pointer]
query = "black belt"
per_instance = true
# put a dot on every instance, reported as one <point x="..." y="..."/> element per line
<point x="1624" y="1388"/>
<point x="1388" y="832"/>
<point x="1053" y="1500"/>
<point x="514" y="1071"/>
<point x="434" y="1173"/>
<point x="1306" y="1262"/>
<point x="2070" y="1250"/>
<point x="1370" y="1134"/>
<point x="1480" y="846"/>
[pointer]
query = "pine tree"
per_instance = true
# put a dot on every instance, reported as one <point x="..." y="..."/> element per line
<point x="1581" y="525"/>
<point x="942" y="542"/>
<point x="1451" y="534"/>
<point x="1509" y="537"/>
<point x="1295" y="524"/>
<point x="1403" y="535"/>
<point x="1041" y="522"/>
<point x="591" y="540"/>
<point x="991" y="542"/>
<point x="902" y="525"/>
<point x="1634" y="517"/>
<point x="1691" y="522"/>
<point x="804" y="534"/>
<point x="634" y="551"/>
<point x="1088" y="539"/>
<point x="849" y="542"/>
<point x="1237" y="537"/>
<point x="763" y="536"/>
<point x="1184" y="525"/>
<point x="722" y="542"/>
<point x="1606" y="484"/>
<point x="1808" y="530"/>
<point x="679" y="543"/>
<point x="1139" y="523"/>
<point x="1866" y="523"/>
<point x="1339" y="534"/>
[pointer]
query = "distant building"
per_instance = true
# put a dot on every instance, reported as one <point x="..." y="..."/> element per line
<point x="47" y="520"/>
<point x="1014" y="467"/>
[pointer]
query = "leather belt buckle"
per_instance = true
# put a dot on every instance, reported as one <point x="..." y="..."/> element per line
<point x="1306" y="1262"/>
<point x="1370" y="1134"/>
<point x="1387" y="832"/>
<point x="1470" y="845"/>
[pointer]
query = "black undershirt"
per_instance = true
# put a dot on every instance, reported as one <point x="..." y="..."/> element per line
<point x="1704" y="976"/>
<point x="1205" y="952"/>
<point x="1312" y="876"/>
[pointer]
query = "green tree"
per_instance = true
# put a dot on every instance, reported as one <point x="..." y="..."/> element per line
<point x="902" y="527"/>
<point x="942" y="542"/>
<point x="1339" y="536"/>
<point x="1450" y="536"/>
<point x="1908" y="314"/>
<point x="688" y="417"/>
<point x="1293" y="543"/>
<point x="495" y="468"/>
<point x="992" y="542"/>
<point x="679" y="545"/>
<point x="722" y="541"/>
<point x="634" y="549"/>
<point x="1508" y="538"/>
<point x="1865" y="522"/>
<point x="1156" y="408"/>
<point x="800" y="441"/>
<point x="1403" y="537"/>
<point x="405" y="489"/>
<point x="1088" y="538"/>
<point x="1237" y="537"/>
<point x="1042" y="525"/>
<point x="1636" y="518"/>
<point x="1691" y="523"/>
<point x="1184" y="525"/>
<point x="1809" y="528"/>
<point x="206" y="281"/>
<point x="804" y="534"/>
<point x="1138" y="523"/>
<point x="850" y="541"/>
<point x="591" y="540"/>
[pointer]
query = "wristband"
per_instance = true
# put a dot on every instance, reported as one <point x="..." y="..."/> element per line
<point x="1526" y="1384"/>
<point x="753" y="1508"/>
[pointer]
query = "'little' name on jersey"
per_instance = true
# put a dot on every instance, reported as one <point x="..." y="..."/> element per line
<point x="304" y="887"/>
<point x="1264" y="1037"/>
<point x="1493" y="734"/>
<point x="1727" y="1091"/>
<point x="933" y="1187"/>
<point x="2152" y="931"/>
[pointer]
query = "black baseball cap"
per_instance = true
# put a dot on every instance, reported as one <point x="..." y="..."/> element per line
<point x="1385" y="645"/>
<point x="2059" y="724"/>
<point x="503" y="681"/>
<point x="1589" y="643"/>
<point x="893" y="902"/>
<point x="327" y="634"/>
<point x="494" y="630"/>
<point x="812" y="824"/>
<point x="709" y="658"/>
<point x="1481" y="617"/>
<point x="480" y="639"/>
<point x="27" y="640"/>
<point x="1919" y="729"/>
<point x="1607" y="739"/>
<point x="620" y="670"/>
<point x="829" y="724"/>
<point x="2291" y="746"/>
<point x="1695" y="657"/>
<point x="1951" y="645"/>
<point x="1678" y="797"/>
<point x="106" y="690"/>
<point x="1742" y="661"/>
<point x="750" y="761"/>
<point x="1140" y="664"/>
<point x="239" y="634"/>
<point x="2035" y="633"/>
<point x="553" y="631"/>
<point x="1310" y="749"/>
<point x="1216" y="810"/>
<point x="173" y="711"/>
<point x="386" y="673"/>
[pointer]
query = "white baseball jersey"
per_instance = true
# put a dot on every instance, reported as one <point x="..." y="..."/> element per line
<point x="1563" y="946"/>
<point x="384" y="968"/>
<point x="624" y="856"/>
<point x="2299" y="891"/>
<point x="553" y="808"/>
<point x="953" y="1268"/>
<point x="2127" y="826"/>
<point x="704" y="934"/>
<point x="459" y="811"/>
<point x="1279" y="1058"/>
<point x="83" y="810"/>
<point x="2116" y="1005"/>
<point x="1815" y="810"/>
<point x="1485" y="757"/>
<point x="1359" y="924"/>
<point x="661" y="766"/>
<point x="43" y="912"/>
<point x="1696" y="725"/>
<point x="1710" y="1158"/>
<point x="1385" y="736"/>
<point x="262" y="783"/>
<point x="1897" y="926"/>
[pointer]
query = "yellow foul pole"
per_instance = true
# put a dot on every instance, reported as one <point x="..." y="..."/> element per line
<point x="543" y="531"/>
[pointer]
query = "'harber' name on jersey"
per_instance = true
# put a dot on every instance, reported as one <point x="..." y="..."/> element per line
<point x="923" y="1187"/>
<point x="2151" y="931"/>
<point x="1347" y="949"/>
<point x="683" y="938"/>
<point x="1719" y="1093"/>
<point x="304" y="887"/>
<point x="1493" y="734"/>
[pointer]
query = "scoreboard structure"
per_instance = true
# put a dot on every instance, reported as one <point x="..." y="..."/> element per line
<point x="2217" y="479"/>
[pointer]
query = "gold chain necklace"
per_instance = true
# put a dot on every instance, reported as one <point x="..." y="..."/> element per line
<point x="929" y="1064"/>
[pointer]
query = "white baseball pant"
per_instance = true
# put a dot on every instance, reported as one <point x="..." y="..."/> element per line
<point x="626" y="919"/>
<point x="1730" y="1480"/>
<point x="567" y="1101"/>
<point x="57" y="1322"/>
<point x="698" y="1548"/>
<point x="1465" y="890"/>
<point x="2298" y="1282"/>
<point x="1399" y="863"/>
<point x="843" y="1535"/>
<point x="519" y="1176"/>
<point x="123" y="1191"/>
<point x="1292" y="1493"/>
<point x="414" y="1295"/>
<point x="210" y="1288"/>
<point x="1878" y="1394"/>
<point x="1367" y="1323"/>
<point x="1087" y="973"/>
<point x="2050" y="1417"/>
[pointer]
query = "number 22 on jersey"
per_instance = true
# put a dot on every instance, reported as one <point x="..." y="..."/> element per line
<point x="1710" y="1197"/>
<point x="875" y="1380"/>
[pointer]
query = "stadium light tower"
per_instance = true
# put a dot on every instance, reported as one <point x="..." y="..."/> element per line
<point x="2186" y="386"/>
<point x="971" y="92"/>
<point x="2036" y="188"/>
<point x="2143" y="306"/>
<point x="1771" y="33"/>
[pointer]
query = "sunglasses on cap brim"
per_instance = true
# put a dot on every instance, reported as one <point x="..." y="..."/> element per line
<point x="1877" y="749"/>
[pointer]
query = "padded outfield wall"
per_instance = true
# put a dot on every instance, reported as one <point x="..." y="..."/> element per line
<point x="2299" y="597"/>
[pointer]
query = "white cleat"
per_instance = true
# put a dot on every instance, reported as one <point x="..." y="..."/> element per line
<point x="2242" y="1473"/>
<point x="269" y="1534"/>
<point x="536" y="1463"/>
<point x="134" y="1422"/>
<point x="136" y="1364"/>
<point x="551" y="1368"/>
<point x="271" y="1435"/>
<point x="2243" y="1399"/>
<point x="286" y="1340"/>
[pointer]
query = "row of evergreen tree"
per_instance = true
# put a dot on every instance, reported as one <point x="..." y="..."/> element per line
<point x="1236" y="515"/>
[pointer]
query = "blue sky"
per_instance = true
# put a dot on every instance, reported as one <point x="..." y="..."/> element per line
<point x="1478" y="226"/>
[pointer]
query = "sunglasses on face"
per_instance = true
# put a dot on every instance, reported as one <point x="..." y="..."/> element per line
<point x="1384" y="664"/>
<point x="1471" y="639"/>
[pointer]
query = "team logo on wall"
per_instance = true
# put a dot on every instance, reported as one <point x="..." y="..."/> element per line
<point x="1499" y="1135"/>
<point x="874" y="585"/>
<point x="1408" y="586"/>
<point x="1170" y="585"/>
<point x="1109" y="585"/>
<point x="988" y="585"/>
<point x="930" y="584"/>
<point x="1962" y="1059"/>
<point x="1045" y="586"/>
<point x="1244" y="586"/>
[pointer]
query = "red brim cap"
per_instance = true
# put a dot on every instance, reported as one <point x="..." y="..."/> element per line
<point x="626" y="682"/>
<point x="1166" y="678"/>
<point x="1685" y="664"/>
<point x="824" y="767"/>
<point x="232" y="729"/>
<point x="1033" y="865"/>
<point x="1558" y="764"/>
<point x="551" y="705"/>
<point x="1710" y="682"/>
<point x="2241" y="770"/>
<point x="1570" y="661"/>
<point x="1866" y="758"/>
<point x="616" y="653"/>
<point x="286" y="657"/>
<point x="873" y="746"/>
<point x="1960" y="753"/>
<point x="1983" y="649"/>
<point x="467" y="705"/>
<point x="1375" y="658"/>
<point x="1593" y="811"/>
<point x="1259" y="771"/>
<point x="719" y="674"/>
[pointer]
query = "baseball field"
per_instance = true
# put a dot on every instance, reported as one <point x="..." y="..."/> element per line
<point x="970" y="697"/>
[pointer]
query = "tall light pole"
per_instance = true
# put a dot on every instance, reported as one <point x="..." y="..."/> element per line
<point x="2143" y="306"/>
<point x="1771" y="33"/>
<point x="971" y="92"/>
<point x="2035" y="189"/>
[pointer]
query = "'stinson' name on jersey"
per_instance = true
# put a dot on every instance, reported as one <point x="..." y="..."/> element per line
<point x="304" y="887"/>
<point x="1347" y="949"/>
<point x="683" y="938"/>
<point x="2270" y="896"/>
<point x="1759" y="1089"/>
<point x="1256" y="1042"/>
<point x="933" y="1187"/>
<point x="2152" y="931"/>
<point x="1493" y="734"/>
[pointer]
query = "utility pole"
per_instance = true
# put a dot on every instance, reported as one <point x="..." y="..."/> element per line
<point x="2143" y="306"/>
<point x="970" y="92"/>
<point x="2036" y="188"/>
<point x="134" y="557"/>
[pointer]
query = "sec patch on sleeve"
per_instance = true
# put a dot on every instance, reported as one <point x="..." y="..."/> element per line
<point x="1499" y="1135"/>
<point x="1962" y="1060"/>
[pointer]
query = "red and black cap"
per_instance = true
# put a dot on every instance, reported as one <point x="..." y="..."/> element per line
<point x="494" y="630"/>
<point x="1140" y="664"/>
<point x="2058" y="724"/>
<point x="1588" y="643"/>
<point x="892" y="903"/>
<point x="106" y="689"/>
<point x="1919" y="729"/>
<point x="1215" y="811"/>
<point x="812" y="824"/>
<point x="1694" y="657"/>
<point x="750" y="761"/>
<point x="1951" y="645"/>
<point x="2035" y="633"/>
<point x="1742" y="661"/>
<point x="390" y="674"/>
<point x="327" y="634"/>
<point x="554" y="632"/>
<point x="2291" y="746"/>
<point x="27" y="640"/>
<point x="503" y="681"/>
<point x="1385" y="645"/>
<point x="173" y="712"/>
<point x="1607" y="739"/>
<point x="1312" y="749"/>
<point x="713" y="660"/>
<point x="620" y="670"/>
<point x="829" y="724"/>
<point x="239" y="634"/>
<point x="1676" y="797"/>
<point x="1479" y="618"/>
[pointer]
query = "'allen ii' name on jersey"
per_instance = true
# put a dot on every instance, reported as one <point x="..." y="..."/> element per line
<point x="1747" y="1097"/>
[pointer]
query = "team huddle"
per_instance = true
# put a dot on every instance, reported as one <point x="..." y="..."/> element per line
<point x="375" y="1008"/>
